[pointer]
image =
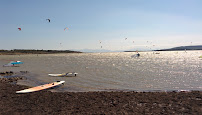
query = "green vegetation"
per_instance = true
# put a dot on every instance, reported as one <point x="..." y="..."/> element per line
<point x="33" y="51"/>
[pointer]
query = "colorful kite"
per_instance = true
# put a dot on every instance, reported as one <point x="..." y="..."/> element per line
<point x="65" y="28"/>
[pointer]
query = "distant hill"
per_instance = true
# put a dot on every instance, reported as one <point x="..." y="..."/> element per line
<point x="95" y="50"/>
<point x="33" y="51"/>
<point x="197" y="47"/>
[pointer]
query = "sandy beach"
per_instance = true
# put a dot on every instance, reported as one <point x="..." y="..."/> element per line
<point x="46" y="102"/>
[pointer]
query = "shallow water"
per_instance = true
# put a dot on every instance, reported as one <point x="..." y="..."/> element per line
<point x="169" y="70"/>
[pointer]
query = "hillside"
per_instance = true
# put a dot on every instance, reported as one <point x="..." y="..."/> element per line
<point x="197" y="47"/>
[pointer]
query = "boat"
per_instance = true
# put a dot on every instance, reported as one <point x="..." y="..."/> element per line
<point x="16" y="62"/>
<point x="41" y="87"/>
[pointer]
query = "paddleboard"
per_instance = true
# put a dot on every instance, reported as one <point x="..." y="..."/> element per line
<point x="41" y="87"/>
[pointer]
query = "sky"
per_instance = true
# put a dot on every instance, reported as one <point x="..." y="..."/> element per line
<point x="100" y="25"/>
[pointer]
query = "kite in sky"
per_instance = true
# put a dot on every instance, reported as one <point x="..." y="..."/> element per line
<point x="65" y="28"/>
<point x="48" y="20"/>
<point x="19" y="29"/>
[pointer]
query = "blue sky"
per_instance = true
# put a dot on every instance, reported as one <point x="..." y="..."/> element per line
<point x="147" y="24"/>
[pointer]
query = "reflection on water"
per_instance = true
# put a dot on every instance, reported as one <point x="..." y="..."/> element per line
<point x="113" y="71"/>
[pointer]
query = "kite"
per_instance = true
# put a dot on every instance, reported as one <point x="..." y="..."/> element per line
<point x="19" y="29"/>
<point x="48" y="20"/>
<point x="65" y="28"/>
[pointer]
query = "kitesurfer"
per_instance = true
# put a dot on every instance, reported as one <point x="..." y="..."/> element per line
<point x="138" y="54"/>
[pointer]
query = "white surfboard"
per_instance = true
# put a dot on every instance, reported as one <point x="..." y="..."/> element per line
<point x="41" y="87"/>
<point x="71" y="74"/>
<point x="64" y="74"/>
<point x="57" y="75"/>
<point x="10" y="65"/>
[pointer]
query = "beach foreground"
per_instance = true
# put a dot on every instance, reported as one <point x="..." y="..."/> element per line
<point x="46" y="102"/>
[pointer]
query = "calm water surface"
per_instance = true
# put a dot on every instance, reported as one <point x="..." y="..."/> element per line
<point x="173" y="70"/>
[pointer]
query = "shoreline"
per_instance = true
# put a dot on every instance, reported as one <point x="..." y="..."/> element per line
<point x="101" y="102"/>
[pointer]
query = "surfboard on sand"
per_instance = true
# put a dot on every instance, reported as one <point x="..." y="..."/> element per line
<point x="41" y="87"/>
<point x="63" y="74"/>
<point x="57" y="75"/>
<point x="10" y="65"/>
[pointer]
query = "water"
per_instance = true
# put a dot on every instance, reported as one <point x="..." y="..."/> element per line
<point x="172" y="70"/>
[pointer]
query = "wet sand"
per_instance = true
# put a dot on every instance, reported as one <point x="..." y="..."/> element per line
<point x="46" y="102"/>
